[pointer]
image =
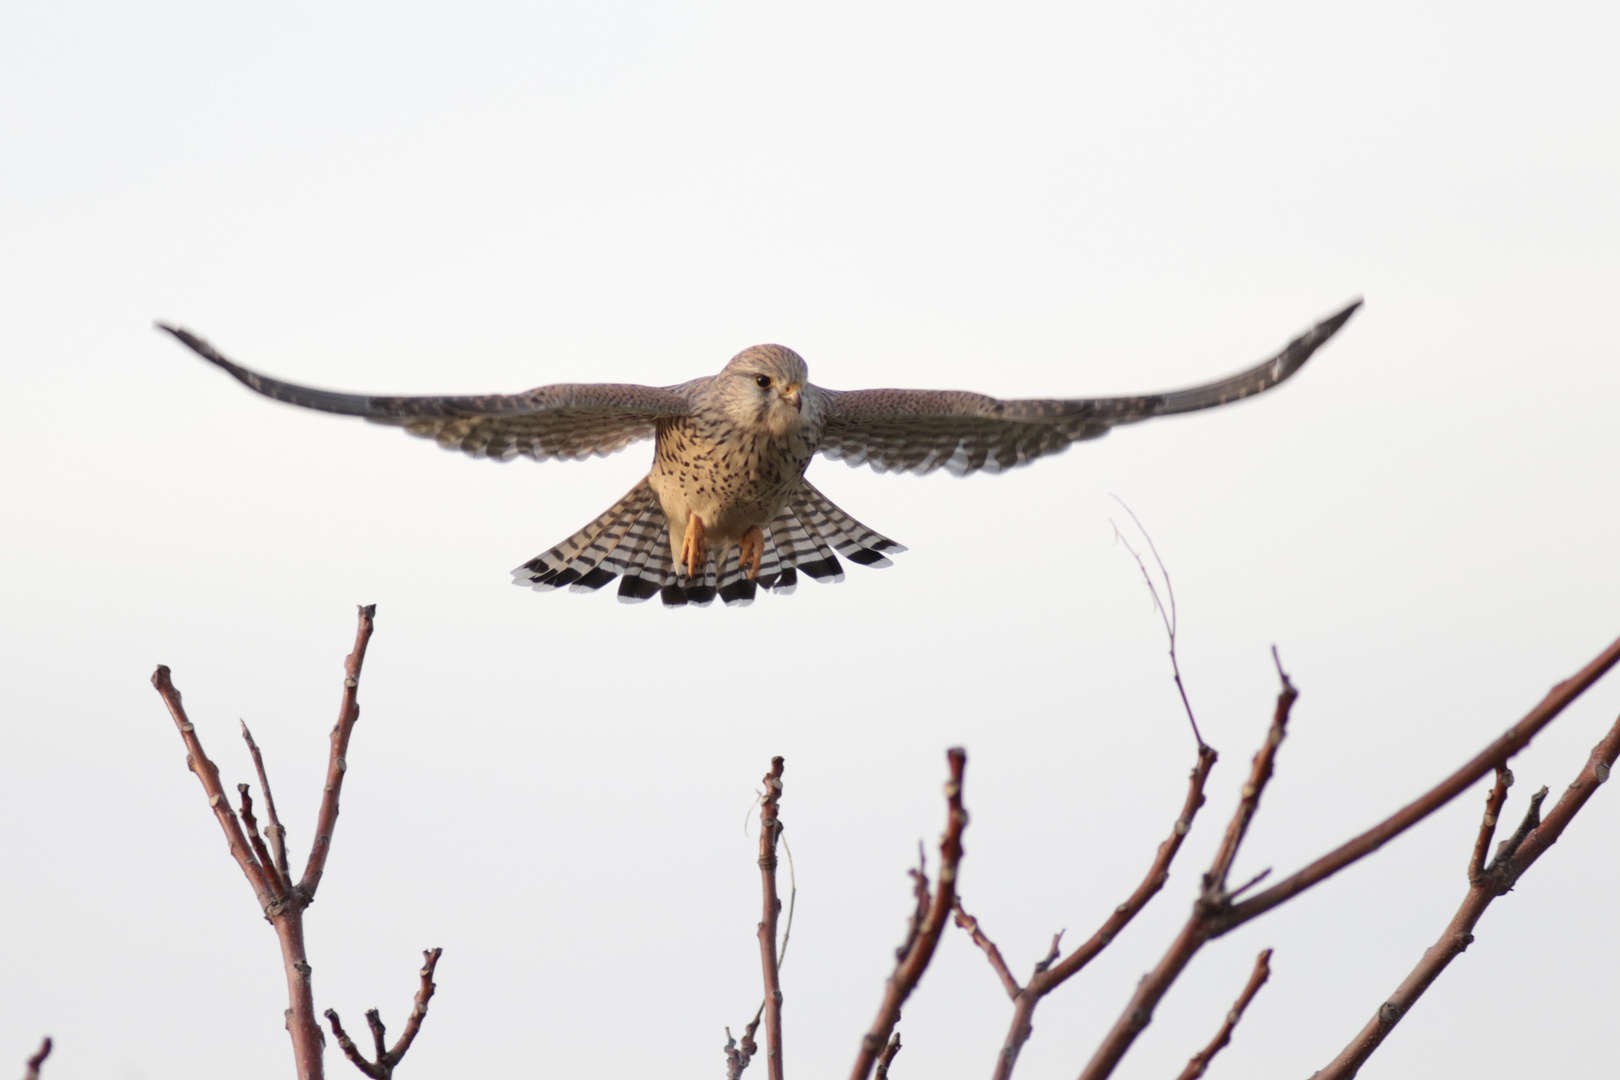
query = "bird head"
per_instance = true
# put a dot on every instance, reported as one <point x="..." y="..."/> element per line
<point x="764" y="386"/>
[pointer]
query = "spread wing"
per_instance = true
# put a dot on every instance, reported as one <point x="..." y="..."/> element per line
<point x="567" y="421"/>
<point x="923" y="430"/>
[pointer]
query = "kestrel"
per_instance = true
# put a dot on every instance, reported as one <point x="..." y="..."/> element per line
<point x="726" y="509"/>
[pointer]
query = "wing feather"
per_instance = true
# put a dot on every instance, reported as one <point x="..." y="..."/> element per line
<point x="923" y="430"/>
<point x="566" y="420"/>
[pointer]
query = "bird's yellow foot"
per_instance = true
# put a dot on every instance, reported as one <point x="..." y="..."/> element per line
<point x="694" y="552"/>
<point x="751" y="549"/>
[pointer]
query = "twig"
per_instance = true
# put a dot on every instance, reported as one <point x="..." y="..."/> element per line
<point x="738" y="1057"/>
<point x="1515" y="856"/>
<point x="1517" y="738"/>
<point x="388" y="1058"/>
<point x="274" y="829"/>
<point x="1213" y="899"/>
<point x="1166" y="615"/>
<point x="770" y="828"/>
<point x="282" y="902"/>
<point x="924" y="937"/>
<point x="1216" y="913"/>
<point x="1487" y="825"/>
<point x="337" y="763"/>
<point x="1049" y="974"/>
<point x="882" y="1070"/>
<point x="1200" y="1061"/>
<point x="993" y="954"/>
<point x="38" y="1059"/>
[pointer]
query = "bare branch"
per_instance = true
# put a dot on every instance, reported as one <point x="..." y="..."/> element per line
<point x="1213" y="901"/>
<point x="770" y="828"/>
<point x="738" y="1057"/>
<point x="882" y="1071"/>
<point x="38" y="1059"/>
<point x="262" y="853"/>
<point x="1216" y="914"/>
<point x="993" y="954"/>
<point x="1515" y="856"/>
<point x="389" y="1059"/>
<point x="1200" y="1061"/>
<point x="920" y="948"/>
<point x="208" y="773"/>
<point x="1487" y="825"/>
<point x="275" y="831"/>
<point x="1167" y="615"/>
<point x="1517" y="738"/>
<point x="338" y="763"/>
<point x="1047" y="977"/>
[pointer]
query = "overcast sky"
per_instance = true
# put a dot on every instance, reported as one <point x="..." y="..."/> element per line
<point x="1017" y="199"/>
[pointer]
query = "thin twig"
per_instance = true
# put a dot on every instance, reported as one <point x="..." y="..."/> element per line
<point x="38" y="1059"/>
<point x="882" y="1070"/>
<point x="738" y="1056"/>
<point x="1216" y="914"/>
<point x="921" y="944"/>
<point x="260" y="851"/>
<point x="1516" y="855"/>
<point x="993" y="954"/>
<point x="1516" y="739"/>
<point x="1049" y="973"/>
<point x="1487" y="824"/>
<point x="389" y="1057"/>
<point x="283" y="903"/>
<point x="337" y="762"/>
<point x="274" y="830"/>
<point x="1167" y="615"/>
<point x="770" y="828"/>
<point x="1257" y="978"/>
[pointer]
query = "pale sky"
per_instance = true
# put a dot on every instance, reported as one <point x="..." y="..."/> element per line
<point x="1017" y="199"/>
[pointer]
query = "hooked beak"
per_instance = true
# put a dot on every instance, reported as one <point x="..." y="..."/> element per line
<point x="791" y="395"/>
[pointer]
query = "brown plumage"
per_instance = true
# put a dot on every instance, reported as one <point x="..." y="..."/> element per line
<point x="725" y="508"/>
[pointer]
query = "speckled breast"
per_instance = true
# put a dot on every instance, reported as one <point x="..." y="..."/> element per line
<point x="733" y="479"/>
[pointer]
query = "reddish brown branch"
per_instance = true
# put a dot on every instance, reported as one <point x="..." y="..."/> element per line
<point x="1049" y="974"/>
<point x="1517" y="738"/>
<point x="924" y="938"/>
<point x="993" y="954"/>
<point x="1515" y="856"/>
<point x="265" y="865"/>
<point x="338" y="763"/>
<point x="1487" y="825"/>
<point x="770" y="829"/>
<point x="739" y="1055"/>
<point x="1213" y="900"/>
<point x="208" y="773"/>
<point x="389" y="1058"/>
<point x="882" y="1070"/>
<point x="1257" y="978"/>
<point x="274" y="830"/>
<point x="38" y="1059"/>
<point x="1216" y="913"/>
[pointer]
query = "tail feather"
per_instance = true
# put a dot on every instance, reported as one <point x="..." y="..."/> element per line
<point x="631" y="540"/>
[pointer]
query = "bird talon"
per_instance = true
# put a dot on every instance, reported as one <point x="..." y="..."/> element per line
<point x="751" y="550"/>
<point x="694" y="553"/>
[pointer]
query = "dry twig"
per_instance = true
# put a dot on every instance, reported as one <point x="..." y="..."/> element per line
<point x="1167" y="612"/>
<point x="1049" y="972"/>
<point x="926" y="925"/>
<point x="1257" y="978"/>
<point x="264" y="863"/>
<point x="770" y="828"/>
<point x="38" y="1059"/>
<point x="387" y="1058"/>
<point x="1514" y="856"/>
<point x="882" y="1070"/>
<point x="1218" y="911"/>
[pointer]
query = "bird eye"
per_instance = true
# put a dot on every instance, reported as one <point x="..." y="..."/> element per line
<point x="762" y="381"/>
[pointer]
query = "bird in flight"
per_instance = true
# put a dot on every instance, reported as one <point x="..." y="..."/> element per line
<point x="726" y="510"/>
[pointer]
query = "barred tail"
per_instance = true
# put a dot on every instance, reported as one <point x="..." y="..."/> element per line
<point x="632" y="539"/>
